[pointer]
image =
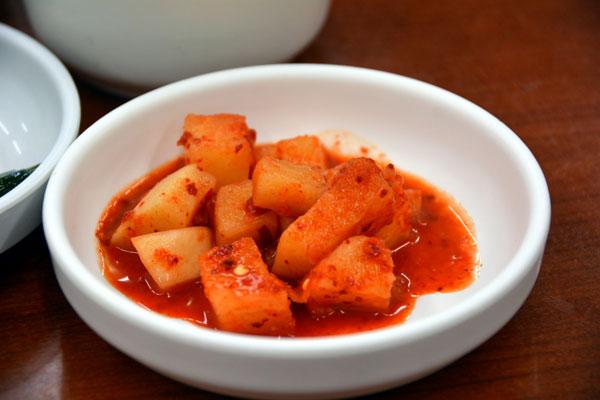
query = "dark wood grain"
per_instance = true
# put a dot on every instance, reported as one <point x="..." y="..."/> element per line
<point x="535" y="64"/>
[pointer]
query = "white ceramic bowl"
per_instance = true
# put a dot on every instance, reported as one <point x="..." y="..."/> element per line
<point x="433" y="133"/>
<point x="39" y="118"/>
<point x="130" y="46"/>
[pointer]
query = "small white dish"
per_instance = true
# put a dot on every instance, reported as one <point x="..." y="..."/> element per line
<point x="425" y="130"/>
<point x="39" y="118"/>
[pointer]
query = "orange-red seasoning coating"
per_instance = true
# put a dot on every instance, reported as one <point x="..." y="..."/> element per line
<point x="441" y="256"/>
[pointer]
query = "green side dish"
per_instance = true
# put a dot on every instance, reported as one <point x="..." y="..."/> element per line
<point x="11" y="179"/>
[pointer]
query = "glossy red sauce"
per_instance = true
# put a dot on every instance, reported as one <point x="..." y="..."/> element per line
<point x="441" y="256"/>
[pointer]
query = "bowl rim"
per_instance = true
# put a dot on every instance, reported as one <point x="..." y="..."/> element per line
<point x="70" y="108"/>
<point x="523" y="261"/>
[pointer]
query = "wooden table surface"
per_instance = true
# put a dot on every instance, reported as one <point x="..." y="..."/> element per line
<point x="535" y="64"/>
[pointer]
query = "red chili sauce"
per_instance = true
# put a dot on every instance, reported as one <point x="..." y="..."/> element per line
<point x="441" y="256"/>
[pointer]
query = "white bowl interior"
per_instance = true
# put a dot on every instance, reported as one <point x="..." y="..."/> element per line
<point x="39" y="118"/>
<point x="30" y="108"/>
<point x="424" y="130"/>
<point x="425" y="133"/>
